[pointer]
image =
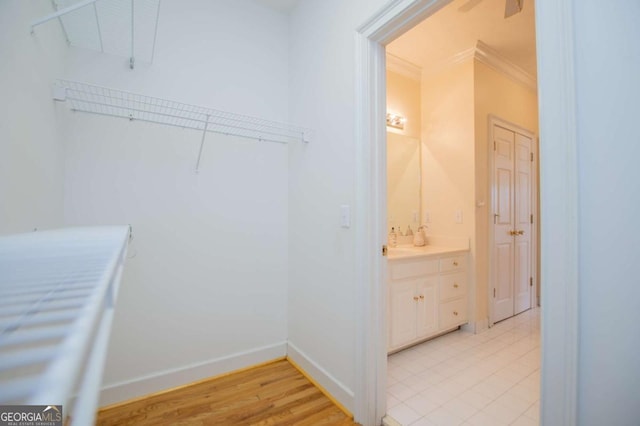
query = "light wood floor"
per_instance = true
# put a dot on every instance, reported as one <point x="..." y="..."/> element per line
<point x="272" y="394"/>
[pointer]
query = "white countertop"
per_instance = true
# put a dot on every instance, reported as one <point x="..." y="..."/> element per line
<point x="409" y="251"/>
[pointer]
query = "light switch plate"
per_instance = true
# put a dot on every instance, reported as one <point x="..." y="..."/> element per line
<point x="345" y="216"/>
<point x="458" y="216"/>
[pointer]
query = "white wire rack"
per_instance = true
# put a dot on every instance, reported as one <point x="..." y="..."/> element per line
<point x="119" y="27"/>
<point x="117" y="103"/>
<point x="57" y="293"/>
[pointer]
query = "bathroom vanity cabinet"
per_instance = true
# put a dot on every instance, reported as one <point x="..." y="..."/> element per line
<point x="427" y="295"/>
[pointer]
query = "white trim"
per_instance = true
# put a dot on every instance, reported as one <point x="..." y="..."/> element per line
<point x="496" y="61"/>
<point x="491" y="58"/>
<point x="370" y="361"/>
<point x="535" y="229"/>
<point x="556" y="79"/>
<point x="370" y="230"/>
<point x="559" y="211"/>
<point x="390" y="421"/>
<point x="335" y="387"/>
<point x="482" y="325"/>
<point x="396" y="17"/>
<point x="168" y="379"/>
<point x="403" y="67"/>
<point x="494" y="120"/>
<point x="477" y="326"/>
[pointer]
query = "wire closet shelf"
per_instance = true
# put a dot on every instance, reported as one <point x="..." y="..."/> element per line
<point x="118" y="103"/>
<point x="57" y="294"/>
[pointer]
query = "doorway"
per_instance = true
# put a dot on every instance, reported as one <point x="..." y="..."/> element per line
<point x="513" y="233"/>
<point x="559" y="255"/>
<point x="456" y="97"/>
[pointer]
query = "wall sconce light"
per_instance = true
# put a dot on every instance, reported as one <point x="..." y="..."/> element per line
<point x="396" y="121"/>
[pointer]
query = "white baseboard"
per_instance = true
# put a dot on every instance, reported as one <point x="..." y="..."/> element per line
<point x="168" y="379"/>
<point x="476" y="327"/>
<point x="390" y="421"/>
<point x="333" y="386"/>
<point x="482" y="325"/>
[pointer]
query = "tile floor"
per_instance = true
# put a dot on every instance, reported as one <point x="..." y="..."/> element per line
<point x="491" y="378"/>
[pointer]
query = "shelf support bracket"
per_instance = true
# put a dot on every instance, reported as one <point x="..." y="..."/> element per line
<point x="155" y="33"/>
<point x="132" y="58"/>
<point x="95" y="12"/>
<point x="204" y="133"/>
<point x="61" y="12"/>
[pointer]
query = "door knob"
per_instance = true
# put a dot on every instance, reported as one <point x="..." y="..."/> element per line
<point x="513" y="232"/>
<point x="521" y="232"/>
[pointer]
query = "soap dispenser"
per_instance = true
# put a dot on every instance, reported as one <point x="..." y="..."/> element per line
<point x="393" y="237"/>
<point x="418" y="237"/>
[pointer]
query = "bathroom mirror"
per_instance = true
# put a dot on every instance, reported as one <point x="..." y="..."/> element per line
<point x="403" y="182"/>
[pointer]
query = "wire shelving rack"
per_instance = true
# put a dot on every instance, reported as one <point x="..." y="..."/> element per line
<point x="118" y="103"/>
<point x="57" y="295"/>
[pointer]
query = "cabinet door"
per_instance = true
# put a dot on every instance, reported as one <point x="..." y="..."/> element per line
<point x="403" y="313"/>
<point x="427" y="307"/>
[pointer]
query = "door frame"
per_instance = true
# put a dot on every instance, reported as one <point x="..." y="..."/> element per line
<point x="495" y="120"/>
<point x="558" y="214"/>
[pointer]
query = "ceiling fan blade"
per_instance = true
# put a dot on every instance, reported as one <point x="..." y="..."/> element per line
<point x="470" y="4"/>
<point x="513" y="7"/>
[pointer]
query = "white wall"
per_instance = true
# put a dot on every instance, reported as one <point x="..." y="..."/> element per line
<point x="404" y="97"/>
<point x="607" y="88"/>
<point x="207" y="280"/>
<point x="31" y="156"/>
<point x="448" y="150"/>
<point x="322" y="285"/>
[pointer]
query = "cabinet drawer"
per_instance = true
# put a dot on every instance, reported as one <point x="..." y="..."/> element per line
<point x="453" y="263"/>
<point x="400" y="270"/>
<point x="453" y="313"/>
<point x="453" y="285"/>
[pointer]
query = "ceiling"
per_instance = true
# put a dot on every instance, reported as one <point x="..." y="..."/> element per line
<point x="459" y="25"/>
<point x="281" y="5"/>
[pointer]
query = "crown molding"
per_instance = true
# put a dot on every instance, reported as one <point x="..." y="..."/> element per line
<point x="491" y="58"/>
<point x="495" y="60"/>
<point x="403" y="67"/>
<point x="456" y="58"/>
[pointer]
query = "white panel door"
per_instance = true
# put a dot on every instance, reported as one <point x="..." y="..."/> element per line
<point x="522" y="198"/>
<point x="427" y="308"/>
<point x="504" y="218"/>
<point x="403" y="313"/>
<point x="512" y="250"/>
